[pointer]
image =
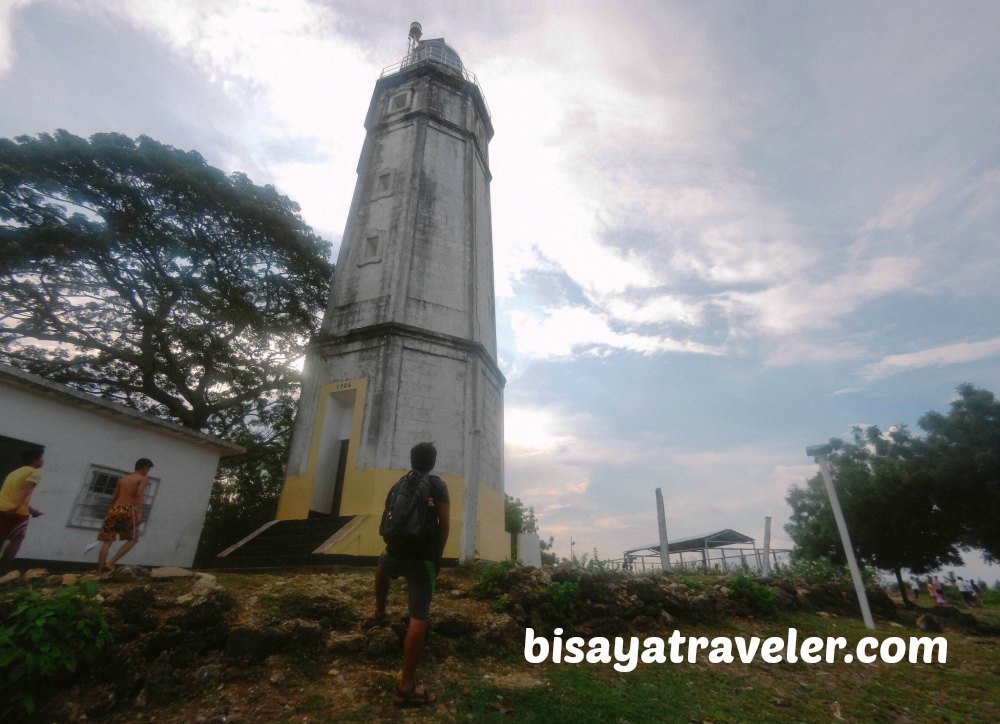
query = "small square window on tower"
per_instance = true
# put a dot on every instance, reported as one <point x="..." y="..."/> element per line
<point x="371" y="246"/>
<point x="383" y="183"/>
<point x="399" y="102"/>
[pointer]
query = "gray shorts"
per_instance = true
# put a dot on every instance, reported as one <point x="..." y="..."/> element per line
<point x="420" y="576"/>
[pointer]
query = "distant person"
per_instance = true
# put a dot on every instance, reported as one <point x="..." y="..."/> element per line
<point x="14" y="509"/>
<point x="966" y="590"/>
<point x="915" y="587"/>
<point x="125" y="515"/>
<point x="977" y="592"/>
<point x="938" y="592"/>
<point x="415" y="527"/>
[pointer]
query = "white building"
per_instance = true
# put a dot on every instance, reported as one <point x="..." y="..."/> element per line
<point x="89" y="444"/>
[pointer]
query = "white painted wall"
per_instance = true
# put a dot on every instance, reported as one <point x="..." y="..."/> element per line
<point x="75" y="438"/>
<point x="529" y="549"/>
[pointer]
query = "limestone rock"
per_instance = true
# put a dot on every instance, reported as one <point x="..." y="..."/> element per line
<point x="10" y="576"/>
<point x="206" y="584"/>
<point x="382" y="640"/>
<point x="346" y="642"/>
<point x="500" y="632"/>
<point x="69" y="579"/>
<point x="34" y="573"/>
<point x="928" y="623"/>
<point x="171" y="572"/>
<point x="453" y="624"/>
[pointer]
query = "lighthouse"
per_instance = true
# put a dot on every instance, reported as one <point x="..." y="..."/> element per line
<point x="407" y="352"/>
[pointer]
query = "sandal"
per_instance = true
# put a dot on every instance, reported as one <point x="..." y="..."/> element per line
<point x="417" y="696"/>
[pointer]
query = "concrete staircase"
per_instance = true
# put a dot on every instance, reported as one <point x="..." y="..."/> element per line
<point x="289" y="544"/>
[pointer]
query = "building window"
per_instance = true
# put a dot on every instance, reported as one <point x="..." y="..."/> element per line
<point x="371" y="247"/>
<point x="94" y="498"/>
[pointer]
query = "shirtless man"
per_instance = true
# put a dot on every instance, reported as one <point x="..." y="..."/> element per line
<point x="125" y="515"/>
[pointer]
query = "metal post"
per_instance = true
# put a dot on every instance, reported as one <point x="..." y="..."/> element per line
<point x="767" y="547"/>
<point x="661" y="520"/>
<point x="852" y="563"/>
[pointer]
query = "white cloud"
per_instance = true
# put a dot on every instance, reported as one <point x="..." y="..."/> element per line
<point x="904" y="206"/>
<point x="658" y="309"/>
<point x="532" y="430"/>
<point x="796" y="350"/>
<point x="933" y="357"/>
<point x="303" y="90"/>
<point x="8" y="9"/>
<point x="802" y="305"/>
<point x="567" y="331"/>
<point x="982" y="194"/>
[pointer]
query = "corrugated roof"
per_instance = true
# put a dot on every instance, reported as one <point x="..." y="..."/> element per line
<point x="718" y="539"/>
<point x="26" y="380"/>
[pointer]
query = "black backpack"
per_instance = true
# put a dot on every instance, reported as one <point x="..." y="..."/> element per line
<point x="409" y="516"/>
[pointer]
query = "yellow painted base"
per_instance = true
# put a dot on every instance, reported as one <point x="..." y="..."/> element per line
<point x="364" y="494"/>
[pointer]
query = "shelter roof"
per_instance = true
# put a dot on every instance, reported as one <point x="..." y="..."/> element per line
<point x="718" y="539"/>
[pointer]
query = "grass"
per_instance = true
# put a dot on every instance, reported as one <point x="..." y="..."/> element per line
<point x="321" y="686"/>
<point x="963" y="689"/>
<point x="506" y="688"/>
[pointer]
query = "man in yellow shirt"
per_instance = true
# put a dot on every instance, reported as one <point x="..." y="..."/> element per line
<point x="14" y="509"/>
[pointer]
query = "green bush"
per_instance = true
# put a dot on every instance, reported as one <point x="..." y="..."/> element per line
<point x="759" y="598"/>
<point x="502" y="604"/>
<point x="820" y="570"/>
<point x="46" y="639"/>
<point x="493" y="580"/>
<point x="558" y="603"/>
<point x="695" y="584"/>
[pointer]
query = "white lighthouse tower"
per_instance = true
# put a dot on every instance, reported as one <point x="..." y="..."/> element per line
<point x="407" y="351"/>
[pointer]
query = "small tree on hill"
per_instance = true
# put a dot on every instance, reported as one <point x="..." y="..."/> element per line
<point x="889" y="504"/>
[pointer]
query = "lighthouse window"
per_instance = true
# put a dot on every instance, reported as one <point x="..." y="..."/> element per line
<point x="383" y="183"/>
<point x="399" y="101"/>
<point x="371" y="247"/>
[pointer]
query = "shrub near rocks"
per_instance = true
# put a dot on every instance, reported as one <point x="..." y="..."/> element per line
<point x="758" y="598"/>
<point x="45" y="639"/>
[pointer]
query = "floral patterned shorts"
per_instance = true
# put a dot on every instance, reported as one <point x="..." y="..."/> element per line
<point x="120" y="523"/>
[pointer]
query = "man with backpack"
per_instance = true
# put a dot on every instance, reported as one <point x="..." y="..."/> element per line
<point x="415" y="526"/>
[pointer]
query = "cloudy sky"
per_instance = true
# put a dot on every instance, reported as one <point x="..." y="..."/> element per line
<point x="722" y="231"/>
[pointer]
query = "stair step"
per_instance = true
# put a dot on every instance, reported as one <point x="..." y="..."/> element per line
<point x="287" y="539"/>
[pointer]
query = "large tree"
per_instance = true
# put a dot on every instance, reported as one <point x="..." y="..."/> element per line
<point x="890" y="505"/>
<point x="135" y="271"/>
<point x="961" y="451"/>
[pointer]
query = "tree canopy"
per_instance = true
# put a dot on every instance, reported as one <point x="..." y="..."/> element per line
<point x="909" y="501"/>
<point x="136" y="271"/>
<point x="889" y="505"/>
<point x="962" y="454"/>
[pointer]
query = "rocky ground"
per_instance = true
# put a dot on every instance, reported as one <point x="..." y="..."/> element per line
<point x="271" y="646"/>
